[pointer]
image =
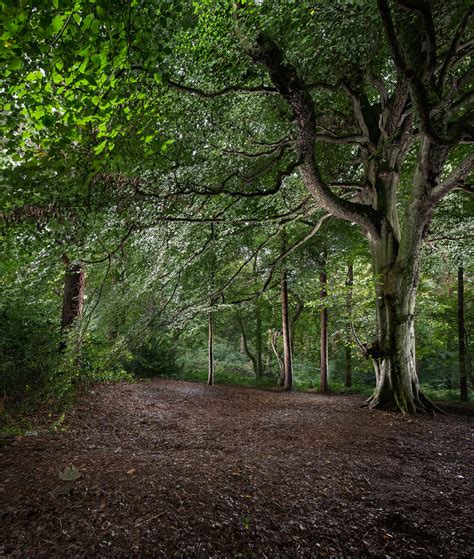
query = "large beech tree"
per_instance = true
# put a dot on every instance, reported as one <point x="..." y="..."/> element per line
<point x="426" y="109"/>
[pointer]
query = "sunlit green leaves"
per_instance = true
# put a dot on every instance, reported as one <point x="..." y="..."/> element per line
<point x="74" y="68"/>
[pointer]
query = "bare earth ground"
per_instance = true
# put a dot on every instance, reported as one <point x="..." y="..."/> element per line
<point x="175" y="469"/>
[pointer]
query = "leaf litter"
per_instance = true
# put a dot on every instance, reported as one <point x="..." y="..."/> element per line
<point x="176" y="469"/>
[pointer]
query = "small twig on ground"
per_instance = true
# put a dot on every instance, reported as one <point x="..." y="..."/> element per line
<point x="48" y="541"/>
<point x="368" y="482"/>
<point x="272" y="502"/>
<point x="60" y="524"/>
<point x="149" y="519"/>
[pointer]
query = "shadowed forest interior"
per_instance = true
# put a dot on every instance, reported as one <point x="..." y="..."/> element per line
<point x="257" y="215"/>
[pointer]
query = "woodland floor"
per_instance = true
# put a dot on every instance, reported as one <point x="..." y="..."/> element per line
<point x="175" y="469"/>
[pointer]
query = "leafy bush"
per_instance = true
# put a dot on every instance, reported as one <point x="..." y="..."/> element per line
<point x="153" y="358"/>
<point x="28" y="351"/>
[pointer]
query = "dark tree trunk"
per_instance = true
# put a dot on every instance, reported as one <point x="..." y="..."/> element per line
<point x="287" y="359"/>
<point x="73" y="295"/>
<point x="258" y="341"/>
<point x="347" y="367"/>
<point x="210" y="350"/>
<point x="323" y="346"/>
<point x="347" y="353"/>
<point x="462" y="338"/>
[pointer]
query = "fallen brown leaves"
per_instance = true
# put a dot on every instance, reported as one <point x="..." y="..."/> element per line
<point x="174" y="469"/>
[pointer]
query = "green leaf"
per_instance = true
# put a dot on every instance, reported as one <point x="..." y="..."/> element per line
<point x="95" y="27"/>
<point x="83" y="66"/>
<point x="100" y="148"/>
<point x="33" y="76"/>
<point x="58" y="22"/>
<point x="96" y="60"/>
<point x="86" y="22"/>
<point x="15" y="63"/>
<point x="40" y="112"/>
<point x="165" y="146"/>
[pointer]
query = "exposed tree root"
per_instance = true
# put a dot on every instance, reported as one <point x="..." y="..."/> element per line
<point x="420" y="404"/>
<point x="428" y="404"/>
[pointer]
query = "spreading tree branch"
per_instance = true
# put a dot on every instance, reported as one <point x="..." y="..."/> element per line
<point x="225" y="91"/>
<point x="460" y="130"/>
<point x="455" y="180"/>
<point x="285" y="78"/>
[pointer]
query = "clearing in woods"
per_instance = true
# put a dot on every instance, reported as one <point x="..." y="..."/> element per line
<point x="176" y="469"/>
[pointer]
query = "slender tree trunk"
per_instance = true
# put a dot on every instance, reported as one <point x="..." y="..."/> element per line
<point x="269" y="351"/>
<point x="323" y="346"/>
<point x="347" y="352"/>
<point x="281" y="364"/>
<point x="73" y="296"/>
<point x="210" y="318"/>
<point x="287" y="358"/>
<point x="246" y="348"/>
<point x="258" y="341"/>
<point x="347" y="367"/>
<point x="462" y="337"/>
<point x="210" y="350"/>
<point x="242" y="346"/>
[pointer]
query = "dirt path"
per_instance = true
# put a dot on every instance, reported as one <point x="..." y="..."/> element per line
<point x="175" y="469"/>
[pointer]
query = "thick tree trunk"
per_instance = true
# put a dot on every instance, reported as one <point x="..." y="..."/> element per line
<point x="73" y="296"/>
<point x="210" y="350"/>
<point x="258" y="341"/>
<point x="462" y="338"/>
<point x="323" y="346"/>
<point x="287" y="358"/>
<point x="393" y="352"/>
<point x="347" y="352"/>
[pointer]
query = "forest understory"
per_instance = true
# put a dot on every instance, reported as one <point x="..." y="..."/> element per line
<point x="178" y="469"/>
